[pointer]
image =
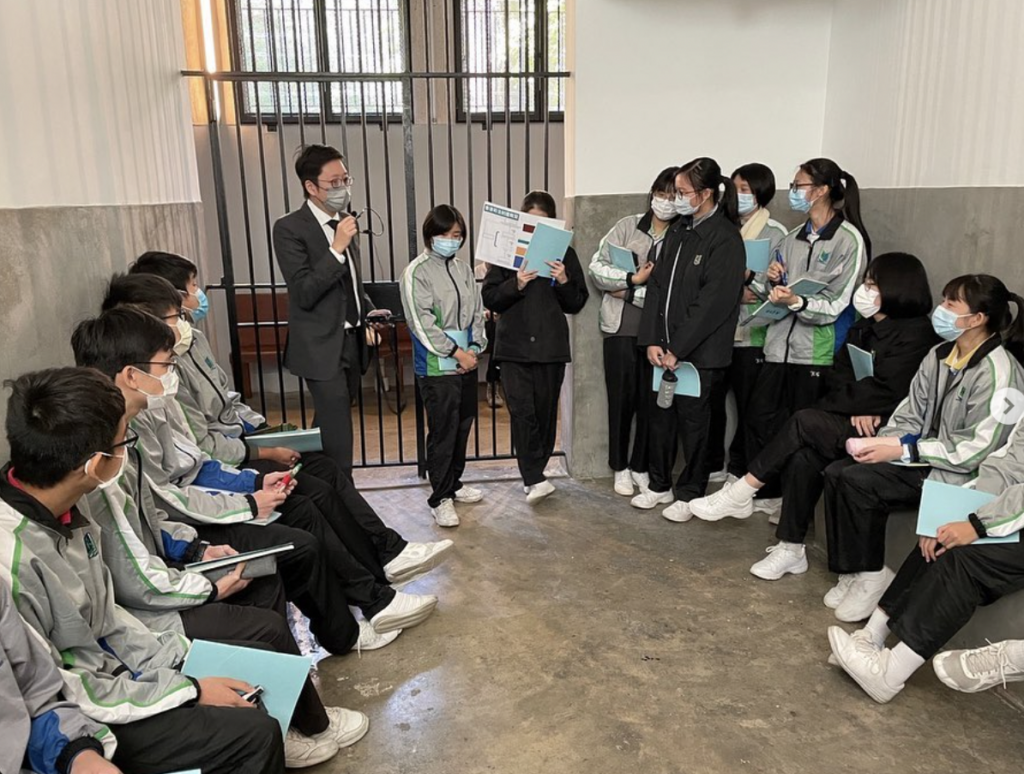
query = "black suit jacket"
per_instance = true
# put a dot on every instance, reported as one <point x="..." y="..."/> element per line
<point x="319" y="292"/>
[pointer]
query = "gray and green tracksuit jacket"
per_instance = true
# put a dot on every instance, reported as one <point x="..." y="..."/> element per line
<point x="113" y="666"/>
<point x="216" y="417"/>
<point x="41" y="729"/>
<point x="185" y="481"/>
<point x="634" y="234"/>
<point x="947" y="418"/>
<point x="837" y="256"/>
<point x="441" y="294"/>
<point x="141" y="545"/>
<point x="1002" y="474"/>
<point x="754" y="335"/>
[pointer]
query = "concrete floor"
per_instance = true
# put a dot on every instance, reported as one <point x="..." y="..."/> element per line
<point x="585" y="636"/>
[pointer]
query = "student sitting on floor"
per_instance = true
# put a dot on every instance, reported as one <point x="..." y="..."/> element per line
<point x="43" y="732"/>
<point x="894" y="302"/>
<point x="66" y="428"/>
<point x="943" y="430"/>
<point x="135" y="350"/>
<point x="938" y="588"/>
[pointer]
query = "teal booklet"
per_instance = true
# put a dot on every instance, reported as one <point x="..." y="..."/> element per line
<point x="945" y="503"/>
<point x="622" y="258"/>
<point x="461" y="339"/>
<point x="296" y="440"/>
<point x="758" y="254"/>
<point x="688" y="376"/>
<point x="807" y="287"/>
<point x="863" y="362"/>
<point x="548" y="244"/>
<point x="775" y="312"/>
<point x="281" y="675"/>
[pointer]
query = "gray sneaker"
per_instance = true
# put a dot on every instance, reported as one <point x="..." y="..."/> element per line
<point x="971" y="671"/>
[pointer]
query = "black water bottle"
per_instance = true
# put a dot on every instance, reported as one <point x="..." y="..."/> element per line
<point x="667" y="389"/>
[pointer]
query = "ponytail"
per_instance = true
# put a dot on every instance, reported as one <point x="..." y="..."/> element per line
<point x="987" y="295"/>
<point x="705" y="174"/>
<point x="730" y="200"/>
<point x="1013" y="336"/>
<point x="851" y="208"/>
<point x="843" y="193"/>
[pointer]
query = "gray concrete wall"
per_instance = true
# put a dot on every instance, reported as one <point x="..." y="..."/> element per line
<point x="56" y="263"/>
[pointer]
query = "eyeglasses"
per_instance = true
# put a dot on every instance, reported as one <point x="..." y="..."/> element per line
<point x="170" y="366"/>
<point x="338" y="182"/>
<point x="180" y="315"/>
<point x="795" y="185"/>
<point x="131" y="439"/>
<point x="685" y="193"/>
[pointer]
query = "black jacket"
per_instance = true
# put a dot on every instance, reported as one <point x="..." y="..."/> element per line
<point x="532" y="326"/>
<point x="899" y="347"/>
<point x="693" y="295"/>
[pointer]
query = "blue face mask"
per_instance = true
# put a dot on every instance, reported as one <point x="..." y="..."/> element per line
<point x="944" y="323"/>
<point x="204" y="306"/>
<point x="446" y="247"/>
<point x="747" y="203"/>
<point x="798" y="200"/>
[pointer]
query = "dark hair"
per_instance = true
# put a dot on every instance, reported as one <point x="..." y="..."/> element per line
<point x="146" y="291"/>
<point x="57" y="419"/>
<point x="542" y="200"/>
<point x="705" y="174"/>
<point x="842" y="191"/>
<point x="665" y="182"/>
<point x="310" y="162"/>
<point x="760" y="179"/>
<point x="176" y="269"/>
<point x="902" y="281"/>
<point x="987" y="295"/>
<point x="121" y="337"/>
<point x="441" y="220"/>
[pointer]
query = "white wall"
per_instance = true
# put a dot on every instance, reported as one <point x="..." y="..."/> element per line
<point x="95" y="111"/>
<point x="927" y="93"/>
<point x="658" y="82"/>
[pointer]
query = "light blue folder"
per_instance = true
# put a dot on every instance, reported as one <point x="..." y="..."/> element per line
<point x="767" y="311"/>
<point x="863" y="362"/>
<point x="462" y="339"/>
<point x="945" y="503"/>
<point x="281" y="675"/>
<point x="807" y="287"/>
<point x="622" y="258"/>
<point x="688" y="376"/>
<point x="296" y="440"/>
<point x="548" y="244"/>
<point x="758" y="254"/>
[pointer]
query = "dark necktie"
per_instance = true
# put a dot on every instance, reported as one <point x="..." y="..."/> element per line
<point x="351" y="312"/>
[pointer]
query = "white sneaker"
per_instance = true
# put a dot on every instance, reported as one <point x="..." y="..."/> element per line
<point x="775" y="517"/>
<point x="445" y="514"/>
<point x="539" y="491"/>
<point x="405" y="610"/>
<point x="417" y="559"/>
<point x="370" y="640"/>
<point x="868" y="668"/>
<point x="971" y="671"/>
<point x="648" y="500"/>
<point x="642" y="480"/>
<point x="768" y="505"/>
<point x="346" y="726"/>
<point x="469" y="495"/>
<point x="839" y="639"/>
<point x="782" y="559"/>
<point x="719" y="476"/>
<point x="301" y="751"/>
<point x="624" y="483"/>
<point x="835" y="595"/>
<point x="678" y="512"/>
<point x="727" y="501"/>
<point x="862" y="598"/>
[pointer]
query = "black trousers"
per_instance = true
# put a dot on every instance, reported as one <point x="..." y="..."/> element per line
<point x="627" y="379"/>
<point x="332" y="400"/>
<point x="741" y="379"/>
<point x="450" y="404"/>
<point x="531" y="394"/>
<point x="809" y="442"/>
<point x="493" y="375"/>
<point x="780" y="391"/>
<point x="258" y="617"/>
<point x="217" y="740"/>
<point x="928" y="603"/>
<point x="858" y="501"/>
<point x="688" y="421"/>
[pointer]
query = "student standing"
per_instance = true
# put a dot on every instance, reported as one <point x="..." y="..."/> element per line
<point x="693" y="298"/>
<point x="755" y="189"/>
<point x="440" y="297"/>
<point x="833" y="247"/>
<point x="627" y="372"/>
<point x="532" y="345"/>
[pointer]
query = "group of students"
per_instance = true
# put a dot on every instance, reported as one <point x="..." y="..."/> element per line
<point x="124" y="470"/>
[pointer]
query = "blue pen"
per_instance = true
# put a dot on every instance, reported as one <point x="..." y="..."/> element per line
<point x="785" y="274"/>
<point x="554" y="281"/>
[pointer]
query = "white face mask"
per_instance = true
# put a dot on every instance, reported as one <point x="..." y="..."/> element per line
<point x="185" y="340"/>
<point x="684" y="207"/>
<point x="664" y="209"/>
<point x="113" y="479"/>
<point x="169" y="382"/>
<point x="867" y="301"/>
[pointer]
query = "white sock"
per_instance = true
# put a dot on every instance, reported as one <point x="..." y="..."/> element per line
<point x="741" y="490"/>
<point x="877" y="627"/>
<point x="903" y="662"/>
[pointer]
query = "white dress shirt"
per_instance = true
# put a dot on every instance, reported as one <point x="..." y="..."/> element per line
<point x="325" y="223"/>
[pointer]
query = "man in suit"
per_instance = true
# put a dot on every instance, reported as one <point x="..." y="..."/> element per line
<point x="318" y="252"/>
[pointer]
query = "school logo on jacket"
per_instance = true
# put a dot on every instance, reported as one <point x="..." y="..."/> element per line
<point x="209" y="363"/>
<point x="90" y="546"/>
<point x="825" y="255"/>
<point x="696" y="260"/>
